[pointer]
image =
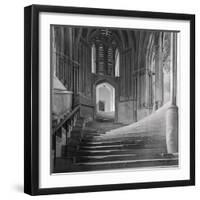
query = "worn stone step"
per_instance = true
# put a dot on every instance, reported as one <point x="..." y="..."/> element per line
<point x="118" y="157"/>
<point x="113" y="146"/>
<point x="142" y="163"/>
<point x="91" y="135"/>
<point x="66" y="165"/>
<point x="92" y="143"/>
<point x="89" y="130"/>
<point x="103" y="138"/>
<point x="121" y="145"/>
<point x="101" y="152"/>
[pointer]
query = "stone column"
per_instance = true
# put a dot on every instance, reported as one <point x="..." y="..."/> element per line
<point x="71" y="71"/>
<point x="53" y="51"/>
<point x="172" y="112"/>
<point x="147" y="88"/>
<point x="158" y="72"/>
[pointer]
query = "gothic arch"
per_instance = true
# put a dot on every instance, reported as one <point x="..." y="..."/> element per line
<point x="108" y="97"/>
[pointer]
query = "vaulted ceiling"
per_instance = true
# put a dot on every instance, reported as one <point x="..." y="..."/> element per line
<point x="124" y="37"/>
<point x="140" y="41"/>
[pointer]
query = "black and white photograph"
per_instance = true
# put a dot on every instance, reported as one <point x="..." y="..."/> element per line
<point x="109" y="100"/>
<point x="114" y="98"/>
<point x="99" y="100"/>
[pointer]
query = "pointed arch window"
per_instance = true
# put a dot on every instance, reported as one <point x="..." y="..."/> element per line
<point x="110" y="62"/>
<point x="93" y="56"/>
<point x="117" y="74"/>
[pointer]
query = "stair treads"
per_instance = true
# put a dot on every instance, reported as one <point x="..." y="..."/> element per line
<point x="99" y="143"/>
<point x="120" y="156"/>
<point x="109" y="156"/>
<point x="123" y="147"/>
<point x="92" y="135"/>
<point x="104" y="138"/>
<point x="103" y="150"/>
<point x="114" y="146"/>
<point x="128" y="161"/>
<point x="103" y="146"/>
<point x="141" y="152"/>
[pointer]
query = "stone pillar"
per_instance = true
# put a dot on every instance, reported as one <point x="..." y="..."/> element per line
<point x="172" y="112"/>
<point x="172" y="129"/>
<point x="71" y="71"/>
<point x="147" y="88"/>
<point x="53" y="51"/>
<point x="158" y="72"/>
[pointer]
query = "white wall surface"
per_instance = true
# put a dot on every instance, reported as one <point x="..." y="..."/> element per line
<point x="11" y="101"/>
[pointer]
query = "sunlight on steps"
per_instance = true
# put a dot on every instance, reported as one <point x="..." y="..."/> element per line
<point x="138" y="145"/>
<point x="153" y="124"/>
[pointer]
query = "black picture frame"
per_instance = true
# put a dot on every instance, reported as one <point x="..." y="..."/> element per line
<point x="31" y="98"/>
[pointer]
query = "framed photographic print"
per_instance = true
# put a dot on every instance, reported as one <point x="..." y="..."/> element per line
<point x="109" y="99"/>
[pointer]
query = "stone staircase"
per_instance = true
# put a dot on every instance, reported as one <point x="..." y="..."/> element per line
<point x="95" y="153"/>
<point x="106" y="145"/>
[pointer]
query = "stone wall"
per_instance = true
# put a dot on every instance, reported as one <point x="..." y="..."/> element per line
<point x="87" y="106"/>
<point x="61" y="99"/>
<point x="142" y="112"/>
<point x="126" y="112"/>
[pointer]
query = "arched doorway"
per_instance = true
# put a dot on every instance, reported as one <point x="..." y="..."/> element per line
<point x="105" y="101"/>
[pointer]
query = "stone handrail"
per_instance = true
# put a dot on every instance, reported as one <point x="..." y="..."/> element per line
<point x="68" y="118"/>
